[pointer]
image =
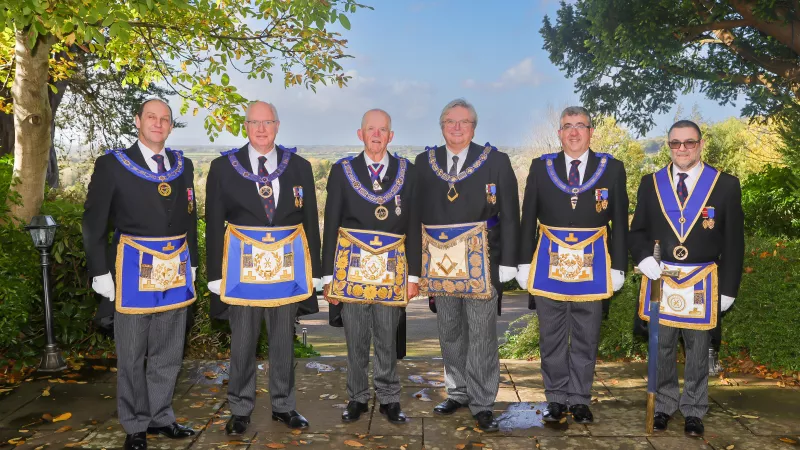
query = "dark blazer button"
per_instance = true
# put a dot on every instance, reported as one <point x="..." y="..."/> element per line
<point x="571" y="223"/>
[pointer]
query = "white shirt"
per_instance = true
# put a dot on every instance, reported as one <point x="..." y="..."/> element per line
<point x="271" y="164"/>
<point x="384" y="161"/>
<point x="461" y="158"/>
<point x="691" y="179"/>
<point x="148" y="157"/>
<point x="584" y="159"/>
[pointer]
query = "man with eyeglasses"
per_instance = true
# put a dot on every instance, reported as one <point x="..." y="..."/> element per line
<point x="147" y="193"/>
<point x="467" y="204"/>
<point x="574" y="254"/>
<point x="695" y="212"/>
<point x="263" y="260"/>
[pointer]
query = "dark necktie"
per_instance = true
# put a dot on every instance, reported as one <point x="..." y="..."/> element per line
<point x="681" y="189"/>
<point x="269" y="202"/>
<point x="159" y="159"/>
<point x="375" y="175"/>
<point x="574" y="175"/>
<point x="454" y="169"/>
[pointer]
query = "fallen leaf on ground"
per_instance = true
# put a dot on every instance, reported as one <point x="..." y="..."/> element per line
<point x="275" y="445"/>
<point x="47" y="417"/>
<point x="76" y="444"/>
<point x="16" y="441"/>
<point x="113" y="369"/>
<point x="61" y="417"/>
<point x="730" y="447"/>
<point x="181" y="420"/>
<point x="563" y="419"/>
<point x="197" y="405"/>
<point x="64" y="429"/>
<point x="296" y="432"/>
<point x="461" y="428"/>
<point x="746" y="416"/>
<point x="788" y="441"/>
<point x="460" y="446"/>
<point x="41" y="447"/>
<point x="210" y="375"/>
<point x="99" y="367"/>
<point x="352" y="443"/>
<point x="46" y="392"/>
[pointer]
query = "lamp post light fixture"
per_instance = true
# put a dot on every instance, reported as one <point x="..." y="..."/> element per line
<point x="43" y="232"/>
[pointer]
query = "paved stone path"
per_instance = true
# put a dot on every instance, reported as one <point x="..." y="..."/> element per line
<point x="746" y="413"/>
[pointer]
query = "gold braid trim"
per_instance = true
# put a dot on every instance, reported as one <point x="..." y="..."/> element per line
<point x="485" y="280"/>
<point x="689" y="326"/>
<point x="346" y="233"/>
<point x="271" y="246"/>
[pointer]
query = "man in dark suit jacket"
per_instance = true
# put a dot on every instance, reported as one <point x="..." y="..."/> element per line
<point x="234" y="199"/>
<point x="136" y="206"/>
<point x="569" y="324"/>
<point x="347" y="208"/>
<point x="467" y="326"/>
<point x="715" y="234"/>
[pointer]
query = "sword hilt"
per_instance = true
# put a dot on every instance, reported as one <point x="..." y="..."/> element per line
<point x="657" y="252"/>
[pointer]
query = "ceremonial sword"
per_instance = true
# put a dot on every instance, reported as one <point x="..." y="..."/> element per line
<point x="652" y="347"/>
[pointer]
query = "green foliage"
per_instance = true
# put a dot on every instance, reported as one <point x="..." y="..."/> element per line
<point x="610" y="137"/>
<point x="763" y="320"/>
<point x="632" y="59"/>
<point x="771" y="203"/>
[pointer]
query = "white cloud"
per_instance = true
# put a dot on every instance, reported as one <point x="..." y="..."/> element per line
<point x="522" y="74"/>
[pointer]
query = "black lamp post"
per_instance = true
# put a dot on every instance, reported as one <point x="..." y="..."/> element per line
<point x="43" y="232"/>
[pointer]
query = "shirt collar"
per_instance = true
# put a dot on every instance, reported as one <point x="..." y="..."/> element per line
<point x="384" y="160"/>
<point x="147" y="152"/>
<point x="272" y="155"/>
<point x="461" y="156"/>
<point x="693" y="173"/>
<point x="584" y="158"/>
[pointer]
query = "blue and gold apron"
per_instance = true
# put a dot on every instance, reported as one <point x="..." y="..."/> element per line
<point x="688" y="301"/>
<point x="265" y="266"/>
<point x="370" y="268"/>
<point x="571" y="264"/>
<point x="153" y="274"/>
<point x="455" y="260"/>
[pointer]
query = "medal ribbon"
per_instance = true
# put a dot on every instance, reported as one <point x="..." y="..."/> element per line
<point x="368" y="196"/>
<point x="145" y="173"/>
<point x="692" y="209"/>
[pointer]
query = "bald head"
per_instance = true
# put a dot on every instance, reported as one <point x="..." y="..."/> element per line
<point x="376" y="112"/>
<point x="376" y="133"/>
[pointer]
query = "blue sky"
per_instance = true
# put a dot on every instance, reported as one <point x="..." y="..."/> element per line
<point x="412" y="57"/>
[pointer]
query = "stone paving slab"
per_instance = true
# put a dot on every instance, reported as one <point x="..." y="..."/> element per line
<point x="755" y="414"/>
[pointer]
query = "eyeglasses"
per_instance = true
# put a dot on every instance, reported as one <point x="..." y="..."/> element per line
<point x="256" y="123"/>
<point x="578" y="126"/>
<point x="689" y="144"/>
<point x="450" y="123"/>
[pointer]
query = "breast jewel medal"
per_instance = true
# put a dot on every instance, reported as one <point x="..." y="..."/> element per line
<point x="491" y="193"/>
<point x="163" y="179"/>
<point x="265" y="190"/>
<point x="677" y="214"/>
<point x="574" y="191"/>
<point x="452" y="193"/>
<point x="397" y="205"/>
<point x="298" y="196"/>
<point x="381" y="213"/>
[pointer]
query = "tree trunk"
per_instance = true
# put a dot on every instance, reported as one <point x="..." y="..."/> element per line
<point x="55" y="100"/>
<point x="32" y="118"/>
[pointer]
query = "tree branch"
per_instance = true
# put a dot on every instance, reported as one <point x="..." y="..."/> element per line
<point x="692" y="31"/>
<point x="785" y="30"/>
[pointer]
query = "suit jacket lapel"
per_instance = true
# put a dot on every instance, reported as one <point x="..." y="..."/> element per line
<point x="359" y="165"/>
<point x="441" y="157"/>
<point x="561" y="168"/>
<point x="134" y="153"/>
<point x="591" y="166"/>
<point x="251" y="199"/>
<point x="391" y="172"/>
<point x="286" y="196"/>
<point x="473" y="152"/>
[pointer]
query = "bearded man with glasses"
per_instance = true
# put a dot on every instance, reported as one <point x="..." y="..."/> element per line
<point x="695" y="212"/>
<point x="574" y="253"/>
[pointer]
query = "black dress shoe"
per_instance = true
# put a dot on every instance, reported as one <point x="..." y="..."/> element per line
<point x="660" y="421"/>
<point x="694" y="426"/>
<point x="136" y="441"/>
<point x="353" y="411"/>
<point x="555" y="412"/>
<point x="237" y="425"/>
<point x="581" y="413"/>
<point x="486" y="421"/>
<point x="448" y="406"/>
<point x="292" y="419"/>
<point x="393" y="412"/>
<point x="173" y="431"/>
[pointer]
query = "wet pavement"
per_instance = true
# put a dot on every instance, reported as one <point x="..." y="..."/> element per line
<point x="77" y="409"/>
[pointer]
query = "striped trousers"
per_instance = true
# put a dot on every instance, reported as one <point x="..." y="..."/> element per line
<point x="245" y="324"/>
<point x="363" y="323"/>
<point x="468" y="338"/>
<point x="694" y="400"/>
<point x="144" y="391"/>
<point x="569" y="333"/>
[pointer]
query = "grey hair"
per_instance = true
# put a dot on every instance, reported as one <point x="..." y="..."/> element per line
<point x="455" y="104"/>
<point x="576" y="111"/>
<point x="271" y="106"/>
<point x="364" y="117"/>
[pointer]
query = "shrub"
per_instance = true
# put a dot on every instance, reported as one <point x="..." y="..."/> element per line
<point x="771" y="202"/>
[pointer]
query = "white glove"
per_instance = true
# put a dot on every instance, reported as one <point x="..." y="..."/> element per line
<point x="215" y="286"/>
<point x="507" y="273"/>
<point x="523" y="270"/>
<point x="651" y="268"/>
<point x="727" y="302"/>
<point x="317" y="282"/>
<point x="413" y="279"/>
<point x="617" y="279"/>
<point x="327" y="279"/>
<point x="104" y="285"/>
<point x="194" y="273"/>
